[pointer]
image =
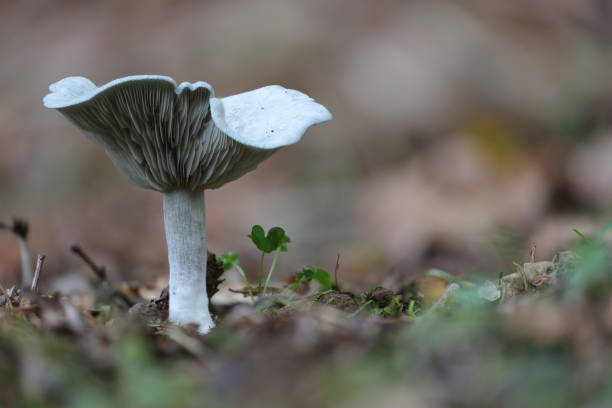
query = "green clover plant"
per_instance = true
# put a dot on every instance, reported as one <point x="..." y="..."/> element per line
<point x="276" y="241"/>
<point x="309" y="274"/>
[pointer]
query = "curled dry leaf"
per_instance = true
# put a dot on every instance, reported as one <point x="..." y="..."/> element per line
<point x="432" y="287"/>
<point x="536" y="275"/>
<point x="540" y="273"/>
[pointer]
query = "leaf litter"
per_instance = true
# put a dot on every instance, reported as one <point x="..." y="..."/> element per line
<point x="538" y="336"/>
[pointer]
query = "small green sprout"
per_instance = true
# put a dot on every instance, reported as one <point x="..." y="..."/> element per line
<point x="411" y="310"/>
<point x="593" y="261"/>
<point x="380" y="301"/>
<point x="276" y="241"/>
<point x="583" y="238"/>
<point x="230" y="261"/>
<point x="309" y="274"/>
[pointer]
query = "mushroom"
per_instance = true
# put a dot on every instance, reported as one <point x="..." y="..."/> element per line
<point x="181" y="140"/>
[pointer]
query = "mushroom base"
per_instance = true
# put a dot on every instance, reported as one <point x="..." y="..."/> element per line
<point x="184" y="222"/>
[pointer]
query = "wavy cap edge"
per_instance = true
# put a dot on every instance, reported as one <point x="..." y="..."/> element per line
<point x="267" y="118"/>
<point x="75" y="90"/>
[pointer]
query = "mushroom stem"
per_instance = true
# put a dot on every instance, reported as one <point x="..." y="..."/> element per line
<point x="184" y="221"/>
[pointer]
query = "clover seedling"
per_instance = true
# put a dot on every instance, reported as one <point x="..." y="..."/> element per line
<point x="274" y="241"/>
<point x="309" y="274"/>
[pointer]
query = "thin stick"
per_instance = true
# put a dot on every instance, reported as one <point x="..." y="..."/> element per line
<point x="532" y="253"/>
<point x="100" y="271"/>
<point x="40" y="260"/>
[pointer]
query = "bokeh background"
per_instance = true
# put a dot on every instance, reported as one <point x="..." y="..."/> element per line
<point x="464" y="131"/>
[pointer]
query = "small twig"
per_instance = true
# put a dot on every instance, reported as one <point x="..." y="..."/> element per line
<point x="100" y="271"/>
<point x="40" y="260"/>
<point x="336" y="286"/>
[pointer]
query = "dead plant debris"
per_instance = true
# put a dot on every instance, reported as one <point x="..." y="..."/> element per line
<point x="442" y="340"/>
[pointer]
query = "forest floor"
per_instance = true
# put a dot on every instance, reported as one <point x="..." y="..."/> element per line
<point x="539" y="336"/>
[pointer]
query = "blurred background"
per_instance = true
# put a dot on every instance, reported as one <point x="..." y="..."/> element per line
<point x="464" y="131"/>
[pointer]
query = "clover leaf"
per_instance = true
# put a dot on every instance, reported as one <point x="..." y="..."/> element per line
<point x="310" y="273"/>
<point x="275" y="239"/>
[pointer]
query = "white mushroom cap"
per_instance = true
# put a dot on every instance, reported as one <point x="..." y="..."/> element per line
<point x="166" y="137"/>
